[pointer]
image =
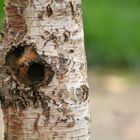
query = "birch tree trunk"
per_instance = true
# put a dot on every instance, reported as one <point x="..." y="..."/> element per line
<point x="44" y="89"/>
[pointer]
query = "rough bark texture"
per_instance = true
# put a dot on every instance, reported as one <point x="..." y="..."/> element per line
<point x="44" y="89"/>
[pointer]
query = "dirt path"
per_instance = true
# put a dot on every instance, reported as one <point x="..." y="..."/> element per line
<point x="115" y="107"/>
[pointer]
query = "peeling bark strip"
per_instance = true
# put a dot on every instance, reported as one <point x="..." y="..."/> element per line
<point x="43" y="78"/>
<point x="15" y="25"/>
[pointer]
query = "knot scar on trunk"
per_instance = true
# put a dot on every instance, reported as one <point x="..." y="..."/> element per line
<point x="27" y="67"/>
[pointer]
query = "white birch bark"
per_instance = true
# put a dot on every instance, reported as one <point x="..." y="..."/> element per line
<point x="45" y="91"/>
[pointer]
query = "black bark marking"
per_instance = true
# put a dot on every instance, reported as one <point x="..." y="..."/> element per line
<point x="1" y="36"/>
<point x="66" y="35"/>
<point x="70" y="8"/>
<point x="85" y="92"/>
<point x="5" y="136"/>
<point x="71" y="51"/>
<point x="17" y="52"/>
<point x="36" y="72"/>
<point x="49" y="10"/>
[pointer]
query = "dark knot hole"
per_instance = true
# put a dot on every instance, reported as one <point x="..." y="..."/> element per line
<point x="17" y="52"/>
<point x="36" y="72"/>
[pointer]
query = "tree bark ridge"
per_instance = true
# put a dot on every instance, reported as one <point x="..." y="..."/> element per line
<point x="44" y="90"/>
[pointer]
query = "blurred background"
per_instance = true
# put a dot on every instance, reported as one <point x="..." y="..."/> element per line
<point x="112" y="40"/>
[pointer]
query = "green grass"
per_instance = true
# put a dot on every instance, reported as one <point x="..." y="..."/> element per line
<point x="1" y="13"/>
<point x="112" y="32"/>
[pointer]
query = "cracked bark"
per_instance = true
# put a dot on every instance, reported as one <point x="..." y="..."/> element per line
<point x="44" y="89"/>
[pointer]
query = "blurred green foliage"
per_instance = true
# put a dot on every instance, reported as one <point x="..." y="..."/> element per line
<point x="1" y="13"/>
<point x="112" y="32"/>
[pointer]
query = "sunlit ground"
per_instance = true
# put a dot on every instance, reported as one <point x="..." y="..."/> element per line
<point x="114" y="104"/>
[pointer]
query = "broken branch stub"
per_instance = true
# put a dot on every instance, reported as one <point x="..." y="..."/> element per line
<point x="26" y="66"/>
